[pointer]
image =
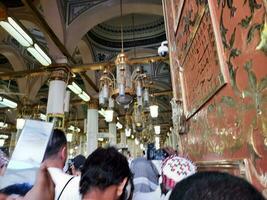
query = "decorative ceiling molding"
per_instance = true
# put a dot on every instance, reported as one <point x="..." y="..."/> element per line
<point x="127" y="44"/>
<point x="75" y="8"/>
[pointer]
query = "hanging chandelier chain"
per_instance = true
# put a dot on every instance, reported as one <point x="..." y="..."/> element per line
<point x="134" y="35"/>
<point x="122" y="50"/>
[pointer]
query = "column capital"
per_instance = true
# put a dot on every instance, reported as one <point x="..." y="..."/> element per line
<point x="3" y="12"/>
<point x="61" y="72"/>
<point x="93" y="104"/>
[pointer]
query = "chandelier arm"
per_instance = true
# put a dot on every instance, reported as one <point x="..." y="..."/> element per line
<point x="134" y="75"/>
<point x="112" y="75"/>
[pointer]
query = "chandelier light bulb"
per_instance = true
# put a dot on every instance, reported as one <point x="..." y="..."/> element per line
<point x="157" y="129"/>
<point x="157" y="142"/>
<point x="128" y="132"/>
<point x="119" y="125"/>
<point x="109" y="115"/>
<point x="2" y="142"/>
<point x="69" y="137"/>
<point x="154" y="111"/>
<point x="136" y="141"/>
<point x="20" y="123"/>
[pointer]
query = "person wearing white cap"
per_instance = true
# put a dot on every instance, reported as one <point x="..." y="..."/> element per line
<point x="174" y="170"/>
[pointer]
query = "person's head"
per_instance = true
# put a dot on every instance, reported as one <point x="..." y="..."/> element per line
<point x="214" y="186"/>
<point x="129" y="154"/>
<point x="175" y="169"/>
<point x="77" y="164"/>
<point x="3" y="162"/>
<point x="105" y="176"/>
<point x="56" y="151"/>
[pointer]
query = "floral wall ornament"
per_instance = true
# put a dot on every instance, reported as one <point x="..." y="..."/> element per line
<point x="263" y="42"/>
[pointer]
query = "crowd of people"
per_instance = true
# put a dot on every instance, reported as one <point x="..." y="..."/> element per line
<point x="106" y="174"/>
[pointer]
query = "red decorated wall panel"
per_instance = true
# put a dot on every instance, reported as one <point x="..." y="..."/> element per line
<point x="218" y="55"/>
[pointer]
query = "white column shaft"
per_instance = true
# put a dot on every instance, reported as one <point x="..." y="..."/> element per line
<point x="92" y="130"/>
<point x="56" y="96"/>
<point x="112" y="134"/>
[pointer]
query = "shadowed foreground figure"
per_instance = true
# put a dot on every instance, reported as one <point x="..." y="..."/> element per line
<point x="105" y="176"/>
<point x="214" y="186"/>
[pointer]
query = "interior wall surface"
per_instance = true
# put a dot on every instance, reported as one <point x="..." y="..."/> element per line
<point x="218" y="56"/>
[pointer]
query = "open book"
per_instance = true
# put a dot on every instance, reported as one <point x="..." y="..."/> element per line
<point x="28" y="153"/>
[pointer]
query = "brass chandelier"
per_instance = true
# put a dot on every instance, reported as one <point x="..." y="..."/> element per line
<point x="126" y="85"/>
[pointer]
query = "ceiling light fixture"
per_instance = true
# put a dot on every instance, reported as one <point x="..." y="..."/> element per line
<point x="136" y="141"/>
<point x="20" y="33"/>
<point x="109" y="115"/>
<point x="4" y="136"/>
<point x="42" y="117"/>
<point x="154" y="111"/>
<point x="69" y="137"/>
<point x="20" y="123"/>
<point x="73" y="128"/>
<point x="128" y="132"/>
<point x="8" y="103"/>
<point x="157" y="129"/>
<point x="77" y="90"/>
<point x="119" y="125"/>
<point x="3" y="125"/>
<point x="2" y="142"/>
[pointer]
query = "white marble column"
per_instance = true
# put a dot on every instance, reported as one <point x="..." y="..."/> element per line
<point x="82" y="145"/>
<point x="56" y="94"/>
<point x="123" y="139"/>
<point x="112" y="133"/>
<point x="92" y="128"/>
<point x="130" y="146"/>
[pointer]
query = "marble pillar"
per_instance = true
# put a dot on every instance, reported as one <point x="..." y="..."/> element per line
<point x="92" y="127"/>
<point x="112" y="133"/>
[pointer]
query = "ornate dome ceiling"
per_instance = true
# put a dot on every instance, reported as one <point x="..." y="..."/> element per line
<point x="138" y="30"/>
<point x="143" y="30"/>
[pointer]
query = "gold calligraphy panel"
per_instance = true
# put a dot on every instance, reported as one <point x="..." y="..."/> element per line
<point x="202" y="74"/>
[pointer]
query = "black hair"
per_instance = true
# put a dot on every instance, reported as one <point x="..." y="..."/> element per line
<point x="78" y="162"/>
<point x="103" y="168"/>
<point x="214" y="186"/>
<point x="19" y="189"/>
<point x="56" y="142"/>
